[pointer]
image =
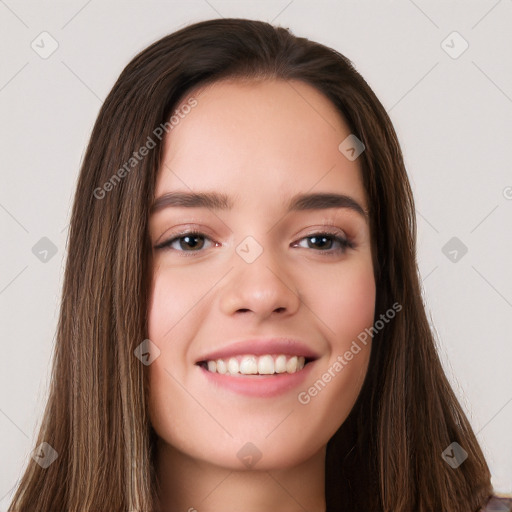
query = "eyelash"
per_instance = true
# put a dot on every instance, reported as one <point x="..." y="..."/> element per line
<point x="344" y="243"/>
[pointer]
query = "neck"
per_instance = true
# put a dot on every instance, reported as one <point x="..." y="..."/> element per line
<point x="188" y="485"/>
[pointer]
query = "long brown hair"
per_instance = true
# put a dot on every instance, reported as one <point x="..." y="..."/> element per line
<point x="387" y="455"/>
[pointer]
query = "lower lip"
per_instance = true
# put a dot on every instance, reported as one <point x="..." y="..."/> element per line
<point x="259" y="385"/>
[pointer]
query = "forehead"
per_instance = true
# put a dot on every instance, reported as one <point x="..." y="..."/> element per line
<point x="269" y="136"/>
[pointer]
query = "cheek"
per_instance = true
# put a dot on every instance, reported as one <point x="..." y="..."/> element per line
<point x="177" y="296"/>
<point x="175" y="314"/>
<point x="354" y="306"/>
<point x="345" y="303"/>
<point x="330" y="394"/>
<point x="165" y="306"/>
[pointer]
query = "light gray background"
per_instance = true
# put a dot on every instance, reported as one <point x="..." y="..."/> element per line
<point x="454" y="121"/>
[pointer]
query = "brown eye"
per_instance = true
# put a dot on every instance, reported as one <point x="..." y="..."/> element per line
<point x="185" y="241"/>
<point x="318" y="241"/>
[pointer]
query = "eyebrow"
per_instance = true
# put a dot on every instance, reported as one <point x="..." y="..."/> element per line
<point x="221" y="201"/>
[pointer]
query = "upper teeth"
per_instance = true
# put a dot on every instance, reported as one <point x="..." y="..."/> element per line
<point x="254" y="365"/>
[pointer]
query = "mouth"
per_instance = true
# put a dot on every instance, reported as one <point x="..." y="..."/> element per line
<point x="263" y="365"/>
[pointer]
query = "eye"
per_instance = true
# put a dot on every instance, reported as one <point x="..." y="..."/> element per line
<point x="329" y="238"/>
<point x="186" y="239"/>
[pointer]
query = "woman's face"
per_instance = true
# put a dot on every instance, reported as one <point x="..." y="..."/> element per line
<point x="259" y="275"/>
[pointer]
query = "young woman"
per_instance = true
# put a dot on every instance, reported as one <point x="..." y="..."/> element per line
<point x="242" y="326"/>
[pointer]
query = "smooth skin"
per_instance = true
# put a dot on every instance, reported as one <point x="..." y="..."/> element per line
<point x="260" y="142"/>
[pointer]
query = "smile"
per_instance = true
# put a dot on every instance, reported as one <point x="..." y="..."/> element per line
<point x="266" y="364"/>
<point x="262" y="376"/>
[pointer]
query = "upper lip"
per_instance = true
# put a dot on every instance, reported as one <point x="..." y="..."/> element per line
<point x="262" y="346"/>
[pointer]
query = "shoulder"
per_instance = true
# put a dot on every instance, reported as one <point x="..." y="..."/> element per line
<point x="498" y="503"/>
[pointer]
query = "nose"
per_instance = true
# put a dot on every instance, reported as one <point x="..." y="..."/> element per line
<point x="263" y="287"/>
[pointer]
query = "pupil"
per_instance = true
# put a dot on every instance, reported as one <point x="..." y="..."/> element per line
<point x="315" y="239"/>
<point x="188" y="238"/>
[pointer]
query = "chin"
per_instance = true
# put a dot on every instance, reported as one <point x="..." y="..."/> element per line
<point x="258" y="456"/>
